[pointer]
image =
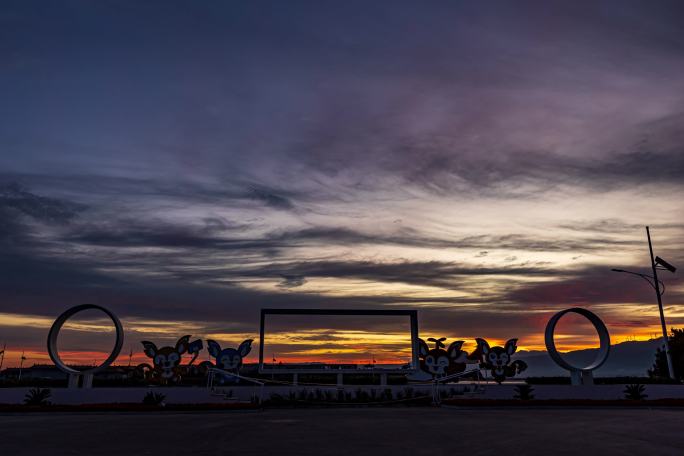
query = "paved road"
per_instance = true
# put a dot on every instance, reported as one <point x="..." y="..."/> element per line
<point x="350" y="432"/>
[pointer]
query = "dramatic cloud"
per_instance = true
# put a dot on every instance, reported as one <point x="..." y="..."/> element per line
<point x="487" y="163"/>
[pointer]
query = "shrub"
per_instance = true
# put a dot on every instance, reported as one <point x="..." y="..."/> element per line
<point x="635" y="392"/>
<point x="152" y="398"/>
<point x="38" y="396"/>
<point x="676" y="345"/>
<point x="524" y="392"/>
<point x="277" y="399"/>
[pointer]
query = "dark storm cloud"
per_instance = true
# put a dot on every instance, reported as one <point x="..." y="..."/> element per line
<point x="439" y="274"/>
<point x="412" y="238"/>
<point x="13" y="197"/>
<point x="317" y="337"/>
<point x="591" y="286"/>
<point x="272" y="199"/>
<point x="604" y="226"/>
<point x="526" y="173"/>
<point x="291" y="281"/>
<point x="27" y="274"/>
<point x="22" y="213"/>
<point x="218" y="235"/>
<point x="199" y="243"/>
<point x="161" y="235"/>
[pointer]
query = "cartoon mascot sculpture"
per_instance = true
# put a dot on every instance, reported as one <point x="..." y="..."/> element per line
<point x="440" y="362"/>
<point x="228" y="359"/>
<point x="167" y="360"/>
<point x="498" y="359"/>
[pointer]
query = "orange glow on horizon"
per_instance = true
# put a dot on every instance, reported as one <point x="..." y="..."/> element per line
<point x="363" y="355"/>
<point x="312" y="345"/>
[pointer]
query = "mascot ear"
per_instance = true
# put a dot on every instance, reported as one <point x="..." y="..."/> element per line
<point x="245" y="347"/>
<point x="214" y="348"/>
<point x="511" y="346"/>
<point x="483" y="346"/>
<point x="423" y="348"/>
<point x="150" y="349"/>
<point x="454" y="349"/>
<point x="195" y="347"/>
<point x="182" y="344"/>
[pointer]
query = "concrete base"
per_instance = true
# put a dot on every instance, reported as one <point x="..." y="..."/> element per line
<point x="80" y="381"/>
<point x="581" y="378"/>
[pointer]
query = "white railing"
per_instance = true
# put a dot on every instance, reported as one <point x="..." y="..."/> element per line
<point x="436" y="390"/>
<point x="213" y="371"/>
<point x="436" y="383"/>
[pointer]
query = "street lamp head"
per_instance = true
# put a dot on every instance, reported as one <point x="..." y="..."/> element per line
<point x="665" y="264"/>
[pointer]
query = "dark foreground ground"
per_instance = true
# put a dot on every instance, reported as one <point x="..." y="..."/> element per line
<point x="350" y="432"/>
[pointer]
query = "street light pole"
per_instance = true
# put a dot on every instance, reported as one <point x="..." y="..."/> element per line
<point x="659" y="287"/>
<point x="656" y="285"/>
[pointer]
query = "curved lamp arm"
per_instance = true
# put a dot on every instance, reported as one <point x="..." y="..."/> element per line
<point x="646" y="277"/>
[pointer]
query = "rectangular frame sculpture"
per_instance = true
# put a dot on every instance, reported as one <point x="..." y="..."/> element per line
<point x="412" y="314"/>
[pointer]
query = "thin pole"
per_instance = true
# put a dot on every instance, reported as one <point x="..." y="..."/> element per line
<point x="660" y="307"/>
<point x="2" y="360"/>
<point x="21" y="365"/>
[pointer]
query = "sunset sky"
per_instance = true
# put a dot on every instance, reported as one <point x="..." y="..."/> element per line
<point x="187" y="163"/>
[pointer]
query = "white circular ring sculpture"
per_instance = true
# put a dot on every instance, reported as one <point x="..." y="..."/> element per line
<point x="579" y="375"/>
<point x="57" y="326"/>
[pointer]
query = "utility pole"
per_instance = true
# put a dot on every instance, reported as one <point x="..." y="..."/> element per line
<point x="656" y="285"/>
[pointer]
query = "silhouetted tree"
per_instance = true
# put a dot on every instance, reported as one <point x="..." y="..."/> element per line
<point x="659" y="369"/>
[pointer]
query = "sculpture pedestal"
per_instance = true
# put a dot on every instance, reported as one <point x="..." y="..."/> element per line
<point x="80" y="381"/>
<point x="580" y="377"/>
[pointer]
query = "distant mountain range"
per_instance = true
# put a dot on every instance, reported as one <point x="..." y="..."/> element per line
<point x="625" y="359"/>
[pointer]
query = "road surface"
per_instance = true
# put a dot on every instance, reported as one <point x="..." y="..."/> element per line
<point x="350" y="432"/>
